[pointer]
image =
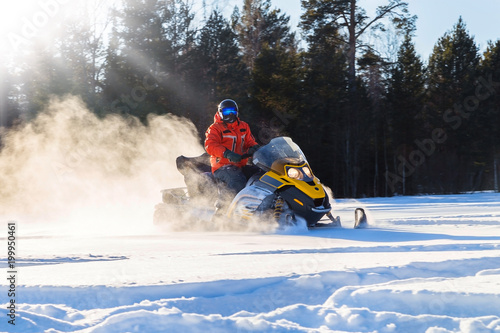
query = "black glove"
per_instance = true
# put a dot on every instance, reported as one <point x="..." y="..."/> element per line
<point x="232" y="156"/>
<point x="253" y="149"/>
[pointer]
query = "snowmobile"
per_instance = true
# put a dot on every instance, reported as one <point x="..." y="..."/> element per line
<point x="283" y="191"/>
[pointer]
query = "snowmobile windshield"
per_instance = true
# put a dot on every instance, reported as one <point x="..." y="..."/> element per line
<point x="281" y="148"/>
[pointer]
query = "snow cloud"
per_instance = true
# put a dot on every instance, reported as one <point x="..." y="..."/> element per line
<point x="70" y="166"/>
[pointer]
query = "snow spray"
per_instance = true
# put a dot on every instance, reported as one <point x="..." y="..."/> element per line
<point x="89" y="174"/>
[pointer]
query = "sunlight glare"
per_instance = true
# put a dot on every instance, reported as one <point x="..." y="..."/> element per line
<point x="23" y="22"/>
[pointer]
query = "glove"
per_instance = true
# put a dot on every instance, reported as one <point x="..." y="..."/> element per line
<point x="232" y="156"/>
<point x="253" y="149"/>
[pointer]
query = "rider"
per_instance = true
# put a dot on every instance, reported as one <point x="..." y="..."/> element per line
<point x="227" y="139"/>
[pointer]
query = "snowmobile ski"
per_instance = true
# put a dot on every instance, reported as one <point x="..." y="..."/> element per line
<point x="360" y="220"/>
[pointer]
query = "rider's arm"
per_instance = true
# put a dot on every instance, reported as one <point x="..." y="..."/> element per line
<point x="213" y="142"/>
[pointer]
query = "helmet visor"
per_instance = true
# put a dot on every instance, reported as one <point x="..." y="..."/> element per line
<point x="229" y="111"/>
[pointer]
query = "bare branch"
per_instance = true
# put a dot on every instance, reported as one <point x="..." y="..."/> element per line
<point x="383" y="12"/>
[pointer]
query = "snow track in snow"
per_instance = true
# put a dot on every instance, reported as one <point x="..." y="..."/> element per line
<point x="408" y="298"/>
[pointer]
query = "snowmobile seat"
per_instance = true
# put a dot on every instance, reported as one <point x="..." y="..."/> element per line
<point x="199" y="163"/>
<point x="197" y="174"/>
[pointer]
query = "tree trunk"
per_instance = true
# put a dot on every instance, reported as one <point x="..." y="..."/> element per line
<point x="352" y="116"/>
<point x="352" y="49"/>
<point x="495" y="171"/>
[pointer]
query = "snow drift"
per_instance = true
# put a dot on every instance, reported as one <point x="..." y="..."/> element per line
<point x="426" y="264"/>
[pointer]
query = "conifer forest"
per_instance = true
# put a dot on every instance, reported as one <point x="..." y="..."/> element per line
<point x="373" y="117"/>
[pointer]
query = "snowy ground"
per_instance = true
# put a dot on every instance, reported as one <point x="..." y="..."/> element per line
<point x="425" y="264"/>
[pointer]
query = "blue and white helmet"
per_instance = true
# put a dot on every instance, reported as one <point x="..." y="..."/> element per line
<point x="228" y="111"/>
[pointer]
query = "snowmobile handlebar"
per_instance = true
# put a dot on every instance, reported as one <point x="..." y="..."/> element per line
<point x="246" y="155"/>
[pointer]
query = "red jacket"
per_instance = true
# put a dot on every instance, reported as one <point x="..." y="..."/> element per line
<point x="221" y="136"/>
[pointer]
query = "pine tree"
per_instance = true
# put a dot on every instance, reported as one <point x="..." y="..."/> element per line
<point x="258" y="25"/>
<point x="152" y="40"/>
<point x="452" y="71"/>
<point x="488" y="92"/>
<point x="372" y="73"/>
<point x="453" y="63"/>
<point x="10" y="112"/>
<point x="405" y="101"/>
<point x="344" y="23"/>
<point x="217" y="70"/>
<point x="137" y="34"/>
<point x="82" y="50"/>
<point x="335" y="15"/>
<point x="324" y="110"/>
<point x="219" y="57"/>
<point x="275" y="91"/>
<point x="44" y="77"/>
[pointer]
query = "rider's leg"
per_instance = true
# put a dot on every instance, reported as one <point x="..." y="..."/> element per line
<point x="230" y="180"/>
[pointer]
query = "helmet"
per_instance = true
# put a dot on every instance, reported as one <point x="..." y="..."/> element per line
<point x="228" y="111"/>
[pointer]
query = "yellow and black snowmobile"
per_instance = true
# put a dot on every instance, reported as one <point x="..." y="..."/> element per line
<point x="285" y="190"/>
